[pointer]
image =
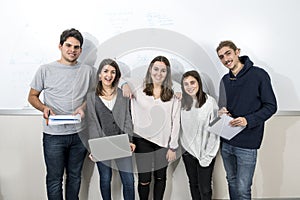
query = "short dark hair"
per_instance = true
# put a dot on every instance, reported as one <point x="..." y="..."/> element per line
<point x="71" y="33"/>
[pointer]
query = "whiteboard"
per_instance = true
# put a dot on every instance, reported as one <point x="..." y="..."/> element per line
<point x="186" y="32"/>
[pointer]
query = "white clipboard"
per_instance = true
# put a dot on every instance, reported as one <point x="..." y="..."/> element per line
<point x="220" y="126"/>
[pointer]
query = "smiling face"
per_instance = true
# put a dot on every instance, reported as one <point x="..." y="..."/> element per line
<point x="107" y="75"/>
<point x="191" y="86"/>
<point x="158" y="72"/>
<point x="230" y="58"/>
<point x="70" y="51"/>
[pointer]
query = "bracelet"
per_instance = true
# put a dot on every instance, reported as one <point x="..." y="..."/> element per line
<point x="173" y="149"/>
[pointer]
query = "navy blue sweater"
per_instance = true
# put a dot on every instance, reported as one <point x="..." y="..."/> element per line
<point x="249" y="95"/>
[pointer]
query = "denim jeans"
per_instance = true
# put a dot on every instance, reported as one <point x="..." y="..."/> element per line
<point x="199" y="177"/>
<point x="125" y="170"/>
<point x="239" y="165"/>
<point x="63" y="153"/>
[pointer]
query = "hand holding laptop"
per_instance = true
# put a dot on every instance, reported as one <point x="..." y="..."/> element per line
<point x="132" y="148"/>
<point x="110" y="147"/>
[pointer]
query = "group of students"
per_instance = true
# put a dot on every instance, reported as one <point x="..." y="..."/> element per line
<point x="159" y="120"/>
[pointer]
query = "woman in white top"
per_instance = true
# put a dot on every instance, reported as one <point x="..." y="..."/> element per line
<point x="201" y="147"/>
<point x="156" y="124"/>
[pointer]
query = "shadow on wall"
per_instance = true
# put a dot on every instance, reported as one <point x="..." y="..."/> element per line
<point x="1" y="196"/>
<point x="89" y="50"/>
<point x="274" y="147"/>
<point x="285" y="92"/>
<point x="283" y="86"/>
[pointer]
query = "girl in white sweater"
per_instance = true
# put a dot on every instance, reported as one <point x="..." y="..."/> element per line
<point x="156" y="123"/>
<point x="201" y="147"/>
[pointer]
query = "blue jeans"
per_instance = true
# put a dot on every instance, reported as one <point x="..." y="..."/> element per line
<point x="63" y="153"/>
<point x="239" y="165"/>
<point x="125" y="170"/>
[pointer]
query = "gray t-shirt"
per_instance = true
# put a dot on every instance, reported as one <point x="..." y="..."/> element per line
<point x="64" y="90"/>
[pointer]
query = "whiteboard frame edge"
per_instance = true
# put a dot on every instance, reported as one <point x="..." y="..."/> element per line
<point x="29" y="112"/>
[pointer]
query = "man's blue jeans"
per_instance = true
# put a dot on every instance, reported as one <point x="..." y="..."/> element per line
<point x="125" y="170"/>
<point x="63" y="153"/>
<point x="239" y="165"/>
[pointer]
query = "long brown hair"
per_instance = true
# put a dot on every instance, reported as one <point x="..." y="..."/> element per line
<point x="111" y="62"/>
<point x="166" y="87"/>
<point x="187" y="100"/>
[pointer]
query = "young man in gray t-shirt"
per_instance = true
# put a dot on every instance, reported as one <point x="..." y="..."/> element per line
<point x="64" y="83"/>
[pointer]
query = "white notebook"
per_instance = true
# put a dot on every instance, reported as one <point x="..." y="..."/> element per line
<point x="220" y="126"/>
<point x="64" y="119"/>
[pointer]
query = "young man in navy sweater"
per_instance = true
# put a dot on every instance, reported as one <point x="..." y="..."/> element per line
<point x="246" y="94"/>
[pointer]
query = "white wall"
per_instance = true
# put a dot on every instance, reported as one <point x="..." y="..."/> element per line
<point x="265" y="31"/>
<point x="22" y="170"/>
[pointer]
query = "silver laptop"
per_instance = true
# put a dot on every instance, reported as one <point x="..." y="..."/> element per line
<point x="110" y="147"/>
